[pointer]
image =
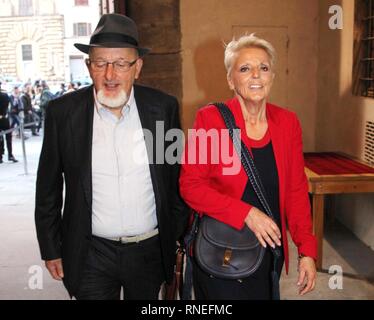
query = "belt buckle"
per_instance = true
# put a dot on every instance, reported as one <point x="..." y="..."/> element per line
<point x="131" y="239"/>
<point x="138" y="238"/>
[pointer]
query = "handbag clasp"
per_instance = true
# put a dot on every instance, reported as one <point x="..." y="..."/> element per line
<point x="227" y="257"/>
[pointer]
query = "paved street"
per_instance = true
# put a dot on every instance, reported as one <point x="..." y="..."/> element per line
<point x="18" y="245"/>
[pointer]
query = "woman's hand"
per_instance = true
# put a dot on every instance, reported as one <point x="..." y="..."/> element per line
<point x="307" y="275"/>
<point x="265" y="229"/>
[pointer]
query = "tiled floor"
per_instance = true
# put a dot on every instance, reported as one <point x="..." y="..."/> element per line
<point x="343" y="252"/>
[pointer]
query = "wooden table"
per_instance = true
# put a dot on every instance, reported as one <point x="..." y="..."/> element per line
<point x="338" y="173"/>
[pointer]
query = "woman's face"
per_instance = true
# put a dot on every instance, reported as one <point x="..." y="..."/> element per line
<point x="251" y="76"/>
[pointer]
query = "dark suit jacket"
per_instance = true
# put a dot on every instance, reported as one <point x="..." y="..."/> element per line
<point x="15" y="104"/>
<point x="66" y="159"/>
<point x="4" y="104"/>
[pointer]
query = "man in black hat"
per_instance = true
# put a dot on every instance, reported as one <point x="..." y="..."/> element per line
<point x="122" y="211"/>
<point x="4" y="125"/>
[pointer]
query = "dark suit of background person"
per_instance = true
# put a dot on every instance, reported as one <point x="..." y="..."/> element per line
<point x="4" y="125"/>
<point x="27" y="108"/>
<point x="66" y="159"/>
<point x="15" y="107"/>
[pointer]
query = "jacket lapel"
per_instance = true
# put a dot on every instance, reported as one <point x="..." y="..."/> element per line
<point x="81" y="121"/>
<point x="149" y="114"/>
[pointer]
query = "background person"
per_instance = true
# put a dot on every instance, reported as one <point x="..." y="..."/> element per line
<point x="4" y="125"/>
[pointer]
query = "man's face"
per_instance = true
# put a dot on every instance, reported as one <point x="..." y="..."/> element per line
<point x="113" y="86"/>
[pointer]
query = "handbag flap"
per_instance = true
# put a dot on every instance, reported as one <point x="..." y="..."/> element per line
<point x="223" y="235"/>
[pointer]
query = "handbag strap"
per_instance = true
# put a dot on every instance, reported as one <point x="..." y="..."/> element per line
<point x="188" y="245"/>
<point x="247" y="161"/>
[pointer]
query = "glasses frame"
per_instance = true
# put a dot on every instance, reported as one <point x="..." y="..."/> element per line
<point x="116" y="68"/>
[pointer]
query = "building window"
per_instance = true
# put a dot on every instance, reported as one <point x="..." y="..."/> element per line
<point x="363" y="49"/>
<point x="27" y="60"/>
<point x="25" y="7"/>
<point x="27" y="52"/>
<point x="82" y="29"/>
<point x="81" y="2"/>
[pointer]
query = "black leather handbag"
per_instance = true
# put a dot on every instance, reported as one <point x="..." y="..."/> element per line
<point x="225" y="252"/>
<point x="221" y="250"/>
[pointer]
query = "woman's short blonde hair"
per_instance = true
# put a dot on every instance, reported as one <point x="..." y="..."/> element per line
<point x="247" y="41"/>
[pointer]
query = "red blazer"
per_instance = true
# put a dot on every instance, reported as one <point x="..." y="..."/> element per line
<point x="207" y="190"/>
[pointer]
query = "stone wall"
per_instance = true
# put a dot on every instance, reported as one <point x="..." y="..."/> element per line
<point x="45" y="33"/>
<point x="159" y="29"/>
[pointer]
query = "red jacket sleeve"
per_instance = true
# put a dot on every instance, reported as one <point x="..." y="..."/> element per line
<point x="297" y="205"/>
<point x="201" y="185"/>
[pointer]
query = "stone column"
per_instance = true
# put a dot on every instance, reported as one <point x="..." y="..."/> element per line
<point x="159" y="29"/>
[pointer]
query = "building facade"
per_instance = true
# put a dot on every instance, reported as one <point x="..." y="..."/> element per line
<point x="31" y="32"/>
<point x="37" y="38"/>
<point x="80" y="19"/>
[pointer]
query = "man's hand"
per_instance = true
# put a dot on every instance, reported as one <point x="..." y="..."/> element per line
<point x="307" y="275"/>
<point x="55" y="268"/>
<point x="265" y="229"/>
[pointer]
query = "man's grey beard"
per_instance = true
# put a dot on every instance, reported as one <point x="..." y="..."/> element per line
<point x="116" y="102"/>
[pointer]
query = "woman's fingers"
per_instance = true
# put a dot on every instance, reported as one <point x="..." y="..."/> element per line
<point x="268" y="240"/>
<point x="260" y="239"/>
<point x="309" y="286"/>
<point x="274" y="237"/>
<point x="301" y="277"/>
<point x="307" y="275"/>
<point x="272" y="240"/>
<point x="265" y="229"/>
<point x="276" y="230"/>
<point x="269" y="231"/>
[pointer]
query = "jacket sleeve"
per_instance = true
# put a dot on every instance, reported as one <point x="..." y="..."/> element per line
<point x="49" y="187"/>
<point x="297" y="203"/>
<point x="179" y="208"/>
<point x="195" y="182"/>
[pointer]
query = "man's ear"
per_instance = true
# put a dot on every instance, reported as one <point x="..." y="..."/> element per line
<point x="88" y="66"/>
<point x="138" y="67"/>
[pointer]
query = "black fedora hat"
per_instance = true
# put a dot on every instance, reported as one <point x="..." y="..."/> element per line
<point x="114" y="31"/>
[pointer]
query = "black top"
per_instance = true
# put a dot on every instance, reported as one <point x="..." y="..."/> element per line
<point x="266" y="166"/>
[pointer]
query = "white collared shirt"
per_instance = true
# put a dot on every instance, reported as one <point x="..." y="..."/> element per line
<point x="123" y="201"/>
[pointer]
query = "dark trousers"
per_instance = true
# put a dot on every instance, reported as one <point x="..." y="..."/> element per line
<point x="29" y="117"/>
<point x="4" y="125"/>
<point x="258" y="286"/>
<point x="14" y="120"/>
<point x="111" y="266"/>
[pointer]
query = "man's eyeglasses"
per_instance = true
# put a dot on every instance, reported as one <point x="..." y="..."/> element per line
<point x="118" y="65"/>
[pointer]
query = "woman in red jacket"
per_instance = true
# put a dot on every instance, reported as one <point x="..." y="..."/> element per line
<point x="273" y="136"/>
